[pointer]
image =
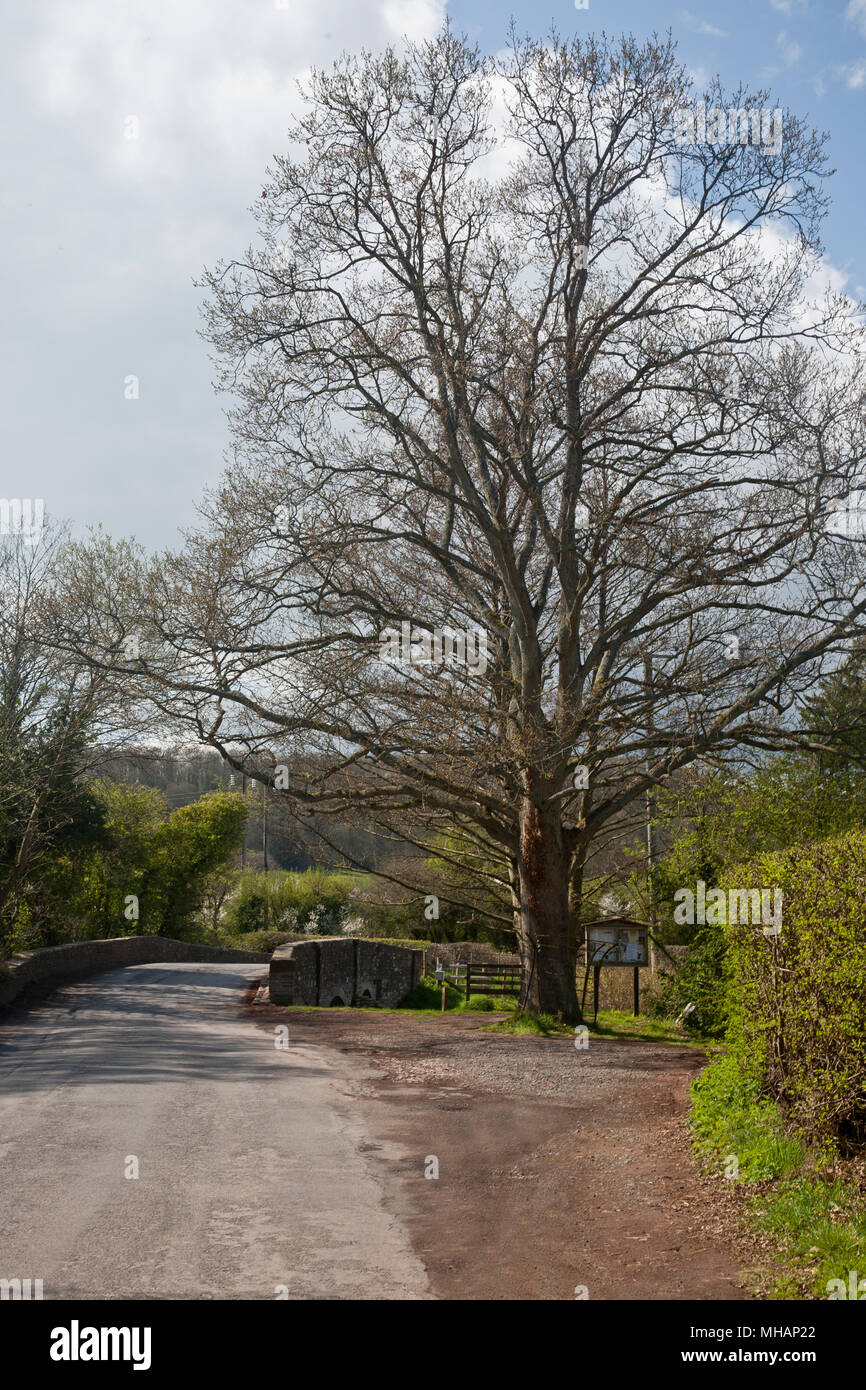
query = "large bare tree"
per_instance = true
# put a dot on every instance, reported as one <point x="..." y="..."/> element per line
<point x="512" y="360"/>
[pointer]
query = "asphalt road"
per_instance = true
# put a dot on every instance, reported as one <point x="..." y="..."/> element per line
<point x="252" y="1177"/>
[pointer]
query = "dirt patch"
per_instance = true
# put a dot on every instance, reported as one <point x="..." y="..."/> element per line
<point x="558" y="1168"/>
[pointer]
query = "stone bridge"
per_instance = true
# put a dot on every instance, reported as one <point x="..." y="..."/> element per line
<point x="55" y="965"/>
<point x="330" y="971"/>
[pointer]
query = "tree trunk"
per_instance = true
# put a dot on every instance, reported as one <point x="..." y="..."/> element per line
<point x="545" y="925"/>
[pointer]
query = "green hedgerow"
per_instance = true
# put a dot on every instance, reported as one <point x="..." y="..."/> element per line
<point x="798" y="1000"/>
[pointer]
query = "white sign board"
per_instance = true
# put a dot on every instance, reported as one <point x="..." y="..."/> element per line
<point x="617" y="945"/>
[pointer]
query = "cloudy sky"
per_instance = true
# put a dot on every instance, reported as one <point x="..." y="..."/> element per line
<point x="103" y="234"/>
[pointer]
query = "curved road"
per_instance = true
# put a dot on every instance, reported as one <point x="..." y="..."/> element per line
<point x="252" y="1181"/>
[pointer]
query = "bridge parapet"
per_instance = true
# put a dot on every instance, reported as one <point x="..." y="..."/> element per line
<point x="335" y="970"/>
<point x="52" y="965"/>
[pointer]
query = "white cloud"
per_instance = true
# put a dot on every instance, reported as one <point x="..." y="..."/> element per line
<point x="701" y="26"/>
<point x="856" y="14"/>
<point x="789" y="50"/>
<point x="210" y="81"/>
<point x="854" y="74"/>
<point x="416" y="19"/>
<point x="107" y="234"/>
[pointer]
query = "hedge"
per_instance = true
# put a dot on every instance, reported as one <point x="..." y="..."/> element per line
<point x="797" y="1001"/>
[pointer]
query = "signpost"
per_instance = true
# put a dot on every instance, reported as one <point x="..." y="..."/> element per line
<point x="617" y="941"/>
<point x="440" y="975"/>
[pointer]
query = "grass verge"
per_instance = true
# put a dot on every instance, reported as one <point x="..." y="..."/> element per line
<point x="810" y="1212"/>
<point x="521" y="1021"/>
<point x="426" y="998"/>
<point x="618" y="1023"/>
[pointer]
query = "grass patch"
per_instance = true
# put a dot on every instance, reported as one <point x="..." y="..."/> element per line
<point x="489" y="1003"/>
<point x="730" y="1116"/>
<point x="619" y="1023"/>
<point x="521" y="1021"/>
<point x="816" y="1219"/>
<point x="357" y="1009"/>
<point x="612" y="1023"/>
<point x="818" y="1226"/>
<point x="427" y="996"/>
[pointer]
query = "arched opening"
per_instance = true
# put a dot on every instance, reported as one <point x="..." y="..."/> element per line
<point x="337" y="1002"/>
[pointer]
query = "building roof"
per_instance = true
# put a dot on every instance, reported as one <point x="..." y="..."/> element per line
<point x="628" y="922"/>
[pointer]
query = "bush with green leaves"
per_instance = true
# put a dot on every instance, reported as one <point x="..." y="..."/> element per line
<point x="698" y="978"/>
<point x="149" y="872"/>
<point x="186" y="849"/>
<point x="264" y="941"/>
<point x="797" y="1001"/>
<point x="317" y="902"/>
<point x="48" y="816"/>
<point x="427" y="994"/>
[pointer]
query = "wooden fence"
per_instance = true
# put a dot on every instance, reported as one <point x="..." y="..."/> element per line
<point x="485" y="978"/>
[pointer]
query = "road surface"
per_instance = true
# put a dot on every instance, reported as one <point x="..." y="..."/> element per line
<point x="252" y="1176"/>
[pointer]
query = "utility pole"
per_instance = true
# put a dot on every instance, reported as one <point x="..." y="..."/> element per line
<point x="244" y="842"/>
<point x="651" y="854"/>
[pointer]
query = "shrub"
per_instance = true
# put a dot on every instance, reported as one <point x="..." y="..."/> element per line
<point x="165" y="862"/>
<point x="265" y="941"/>
<point x="700" y="978"/>
<point x="798" y="1000"/>
<point x="427" y="994"/>
<point x="248" y="911"/>
<point x="194" y="841"/>
<point x="316" y="902"/>
<point x="480" y="1003"/>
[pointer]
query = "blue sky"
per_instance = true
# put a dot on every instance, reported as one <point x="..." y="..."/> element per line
<point x="103" y="234"/>
<point x="811" y="54"/>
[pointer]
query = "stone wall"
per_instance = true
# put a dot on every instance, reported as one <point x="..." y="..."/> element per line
<point x="56" y="964"/>
<point x="337" y="974"/>
<point x="333" y="970"/>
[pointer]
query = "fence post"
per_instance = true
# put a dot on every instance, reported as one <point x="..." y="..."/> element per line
<point x="468" y="980"/>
